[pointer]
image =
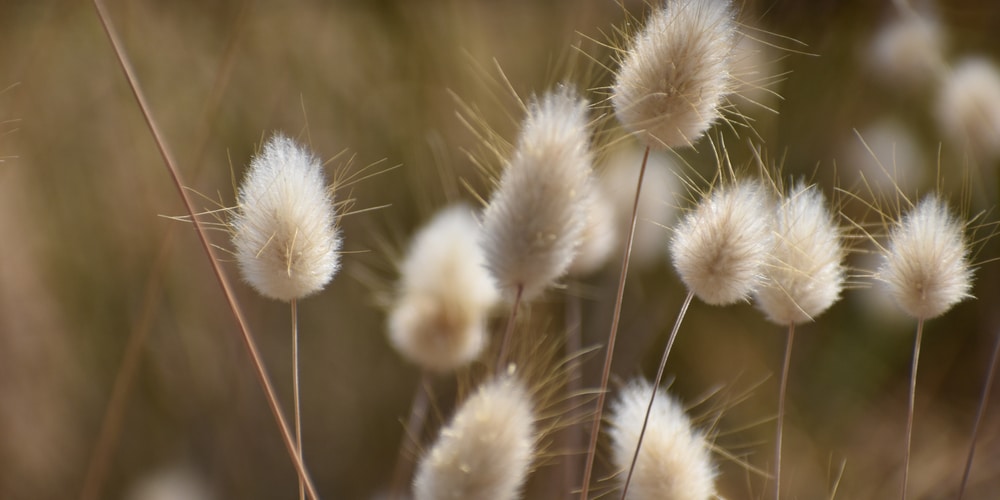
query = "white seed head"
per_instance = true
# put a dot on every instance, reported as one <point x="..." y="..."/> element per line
<point x="720" y="248"/>
<point x="908" y="50"/>
<point x="674" y="462"/>
<point x="536" y="218"/>
<point x="284" y="226"/>
<point x="445" y="294"/>
<point x="600" y="234"/>
<point x="886" y="157"/>
<point x="806" y="272"/>
<point x="656" y="202"/>
<point x="925" y="264"/>
<point x="485" y="451"/>
<point x="968" y="107"/>
<point x="676" y="74"/>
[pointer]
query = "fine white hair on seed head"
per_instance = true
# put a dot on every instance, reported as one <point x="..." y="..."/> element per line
<point x="925" y="263"/>
<point x="675" y="75"/>
<point x="536" y="218"/>
<point x="284" y="226"/>
<point x="721" y="247"/>
<point x="806" y="273"/>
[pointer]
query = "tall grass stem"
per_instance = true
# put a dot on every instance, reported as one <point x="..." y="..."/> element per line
<point x="782" y="390"/>
<point x="983" y="403"/>
<point x="656" y="384"/>
<point x="616" y="316"/>
<point x="509" y="332"/>
<point x="411" y="435"/>
<point x="294" y="303"/>
<point x="909" y="407"/>
<point x="220" y="276"/>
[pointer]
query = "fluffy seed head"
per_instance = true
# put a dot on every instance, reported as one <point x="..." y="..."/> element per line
<point x="536" y="218"/>
<point x="656" y="201"/>
<point x="600" y="235"/>
<point x="676" y="74"/>
<point x="675" y="462"/>
<point x="968" y="106"/>
<point x="907" y="51"/>
<point x="720" y="248"/>
<point x="445" y="294"/>
<point x="925" y="264"/>
<point x="485" y="451"/>
<point x="284" y="226"/>
<point x="806" y="272"/>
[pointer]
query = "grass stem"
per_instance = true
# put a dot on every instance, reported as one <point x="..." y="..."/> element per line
<point x="295" y="385"/>
<point x="909" y="408"/>
<point x="606" y="371"/>
<point x="509" y="332"/>
<point x="220" y="276"/>
<point x="983" y="403"/>
<point x="656" y="384"/>
<point x="782" y="391"/>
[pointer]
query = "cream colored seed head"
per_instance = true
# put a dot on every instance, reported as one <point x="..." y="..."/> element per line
<point x="485" y="451"/>
<point x="536" y="218"/>
<point x="968" y="107"/>
<point x="284" y="226"/>
<point x="720" y="248"/>
<point x="925" y="264"/>
<point x="908" y="51"/>
<point x="676" y="74"/>
<point x="806" y="272"/>
<point x="445" y="294"/>
<point x="674" y="462"/>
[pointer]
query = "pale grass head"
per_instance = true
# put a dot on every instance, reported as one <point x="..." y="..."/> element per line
<point x="925" y="264"/>
<point x="445" y="294"/>
<point x="968" y="107"/>
<point x="657" y="201"/>
<point x="806" y="272"/>
<point x="485" y="451"/>
<point x="720" y="248"/>
<point x="284" y="227"/>
<point x="600" y="235"/>
<point x="675" y="461"/>
<point x="675" y="74"/>
<point x="537" y="216"/>
<point x="908" y="51"/>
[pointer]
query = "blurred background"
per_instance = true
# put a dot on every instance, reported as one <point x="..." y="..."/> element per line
<point x="99" y="288"/>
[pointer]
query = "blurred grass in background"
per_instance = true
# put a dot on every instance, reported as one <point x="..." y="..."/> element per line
<point x="89" y="263"/>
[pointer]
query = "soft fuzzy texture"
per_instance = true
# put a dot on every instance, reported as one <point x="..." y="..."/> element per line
<point x="600" y="235"/>
<point x="536" y="218"/>
<point x="675" y="462"/>
<point x="908" y="50"/>
<point x="445" y="294"/>
<point x="806" y="272"/>
<point x="656" y="202"/>
<point x="284" y="226"/>
<point x="968" y="107"/>
<point x="676" y="74"/>
<point x="925" y="263"/>
<point x="721" y="247"/>
<point x="485" y="451"/>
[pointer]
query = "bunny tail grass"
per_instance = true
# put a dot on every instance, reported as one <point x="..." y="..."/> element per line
<point x="207" y="247"/>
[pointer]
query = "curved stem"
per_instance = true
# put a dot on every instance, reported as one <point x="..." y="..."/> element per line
<point x="505" y="343"/>
<point x="606" y="372"/>
<point x="295" y="386"/>
<point x="656" y="384"/>
<point x="983" y="402"/>
<point x="782" y="390"/>
<point x="909" y="409"/>
<point x="251" y="346"/>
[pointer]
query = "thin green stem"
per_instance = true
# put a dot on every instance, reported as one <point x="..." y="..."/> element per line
<point x="782" y="390"/>
<point x="983" y="402"/>
<point x="606" y="372"/>
<point x="909" y="408"/>
<point x="656" y="385"/>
